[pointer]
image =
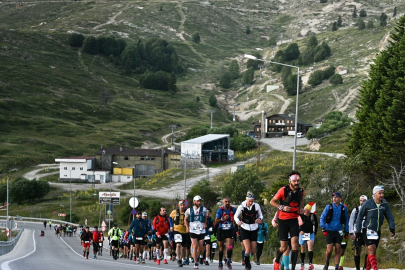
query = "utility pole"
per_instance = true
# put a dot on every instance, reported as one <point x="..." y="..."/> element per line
<point x="247" y="92"/>
<point x="212" y="112"/>
<point x="258" y="153"/>
<point x="172" y="127"/>
<point x="234" y="105"/>
<point x="260" y="66"/>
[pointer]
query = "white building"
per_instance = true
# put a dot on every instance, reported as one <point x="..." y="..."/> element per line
<point x="81" y="169"/>
<point x="211" y="148"/>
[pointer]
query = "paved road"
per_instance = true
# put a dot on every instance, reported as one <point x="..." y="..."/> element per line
<point x="49" y="252"/>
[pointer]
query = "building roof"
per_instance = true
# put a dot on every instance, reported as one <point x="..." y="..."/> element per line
<point x="291" y="118"/>
<point x="121" y="151"/>
<point x="73" y="159"/>
<point x="206" y="138"/>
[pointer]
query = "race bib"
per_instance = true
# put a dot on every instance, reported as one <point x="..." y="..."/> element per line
<point x="139" y="238"/>
<point x="259" y="242"/>
<point x="178" y="238"/>
<point x="226" y="226"/>
<point x="100" y="244"/>
<point x="372" y="235"/>
<point x="214" y="245"/>
<point x="167" y="235"/>
<point x="306" y="236"/>
<point x="210" y="229"/>
<point x="207" y="237"/>
<point x="86" y="242"/>
<point x="197" y="228"/>
<point x="289" y="236"/>
<point x="340" y="233"/>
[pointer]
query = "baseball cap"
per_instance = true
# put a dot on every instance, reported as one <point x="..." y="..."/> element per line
<point x="308" y="207"/>
<point x="115" y="224"/>
<point x="144" y="214"/>
<point x="363" y="197"/>
<point x="95" y="227"/>
<point x="377" y="188"/>
<point x="197" y="198"/>
<point x="337" y="194"/>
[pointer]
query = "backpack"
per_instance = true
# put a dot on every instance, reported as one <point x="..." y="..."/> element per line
<point x="177" y="218"/>
<point x="231" y="214"/>
<point x="249" y="216"/>
<point x="329" y="215"/>
<point x="201" y="217"/>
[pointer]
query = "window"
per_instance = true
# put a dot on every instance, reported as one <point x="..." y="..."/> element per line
<point x="126" y="158"/>
<point x="81" y="168"/>
<point x="142" y="158"/>
<point x="73" y="168"/>
<point x="152" y="158"/>
<point x="147" y="158"/>
<point x="65" y="168"/>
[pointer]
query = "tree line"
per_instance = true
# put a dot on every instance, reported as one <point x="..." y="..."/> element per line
<point x="22" y="190"/>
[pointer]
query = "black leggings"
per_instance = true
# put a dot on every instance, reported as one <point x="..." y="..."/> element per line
<point x="259" y="250"/>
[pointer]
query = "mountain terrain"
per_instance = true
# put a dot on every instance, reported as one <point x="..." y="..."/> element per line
<point x="51" y="95"/>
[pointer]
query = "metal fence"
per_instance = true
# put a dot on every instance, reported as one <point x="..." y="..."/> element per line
<point x="7" y="246"/>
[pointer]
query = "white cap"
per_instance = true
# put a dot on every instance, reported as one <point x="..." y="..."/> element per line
<point x="144" y="214"/>
<point x="197" y="198"/>
<point x="377" y="188"/>
<point x="363" y="197"/>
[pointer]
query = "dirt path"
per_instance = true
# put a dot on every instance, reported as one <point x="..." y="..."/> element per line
<point x="286" y="102"/>
<point x="111" y="20"/>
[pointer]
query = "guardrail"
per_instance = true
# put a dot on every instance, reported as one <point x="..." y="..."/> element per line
<point x="7" y="246"/>
<point x="54" y="221"/>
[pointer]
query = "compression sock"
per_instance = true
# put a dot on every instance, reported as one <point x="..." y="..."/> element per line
<point x="294" y="258"/>
<point x="247" y="259"/>
<point x="310" y="256"/>
<point x="357" y="262"/>
<point x="158" y="254"/>
<point x="243" y="255"/>
<point x="286" y="261"/>
<point x="88" y="254"/>
<point x="278" y="256"/>
<point x="165" y="252"/>
<point x="342" y="260"/>
<point x="229" y="253"/>
<point x="302" y="257"/>
<point x="336" y="267"/>
<point x="373" y="261"/>
<point x="220" y="255"/>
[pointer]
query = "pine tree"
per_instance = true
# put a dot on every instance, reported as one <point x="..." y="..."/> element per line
<point x="363" y="13"/>
<point x="354" y="14"/>
<point x="394" y="14"/>
<point x="233" y="69"/>
<point x="172" y="83"/>
<point x="361" y="24"/>
<point x="248" y="30"/>
<point x="379" y="133"/>
<point x="383" y="19"/>
<point x="339" y="21"/>
<point x="334" y="26"/>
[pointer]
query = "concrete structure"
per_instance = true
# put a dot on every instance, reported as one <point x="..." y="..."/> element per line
<point x="278" y="125"/>
<point x="211" y="148"/>
<point x="81" y="169"/>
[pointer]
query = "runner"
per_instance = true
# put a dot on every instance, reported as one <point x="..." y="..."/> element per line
<point x="101" y="244"/>
<point x="161" y="225"/>
<point x="373" y="212"/>
<point x="357" y="243"/>
<point x="197" y="216"/>
<point x="214" y="245"/>
<point x="289" y="200"/>
<point x="225" y="220"/>
<point x="333" y="218"/>
<point x="207" y="238"/>
<point x="45" y="224"/>
<point x="96" y="237"/>
<point x="251" y="217"/>
<point x="308" y="230"/>
<point x="285" y="261"/>
<point x="86" y="239"/>
<point x="261" y="237"/>
<point x="179" y="230"/>
<point x="140" y="228"/>
<point x="115" y="235"/>
<point x="149" y="229"/>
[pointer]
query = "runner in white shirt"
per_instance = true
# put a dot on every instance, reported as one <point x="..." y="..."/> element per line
<point x="197" y="217"/>
<point x="251" y="217"/>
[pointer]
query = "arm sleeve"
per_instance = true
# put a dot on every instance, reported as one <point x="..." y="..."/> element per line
<point x="347" y="220"/>
<point x="323" y="217"/>
<point x="237" y="214"/>
<point x="171" y="221"/>
<point x="352" y="221"/>
<point x="360" y="215"/>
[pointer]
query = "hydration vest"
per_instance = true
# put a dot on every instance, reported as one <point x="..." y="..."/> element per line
<point x="329" y="215"/>
<point x="231" y="214"/>
<point x="249" y="216"/>
<point x="291" y="196"/>
<point x="200" y="216"/>
<point x="178" y="220"/>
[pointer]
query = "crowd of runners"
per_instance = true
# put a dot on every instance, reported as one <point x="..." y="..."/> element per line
<point x="192" y="236"/>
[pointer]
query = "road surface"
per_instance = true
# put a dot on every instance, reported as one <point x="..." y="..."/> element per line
<point x="49" y="252"/>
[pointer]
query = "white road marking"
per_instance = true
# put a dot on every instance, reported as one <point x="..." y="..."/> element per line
<point x="4" y="265"/>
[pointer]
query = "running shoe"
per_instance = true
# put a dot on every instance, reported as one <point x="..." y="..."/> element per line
<point x="143" y="261"/>
<point x="302" y="266"/>
<point x="311" y="267"/>
<point x="258" y="262"/>
<point x="207" y="263"/>
<point x="243" y="262"/>
<point x="196" y="266"/>
<point x="158" y="262"/>
<point x="228" y="264"/>
<point x="276" y="265"/>
<point x="137" y="261"/>
<point x="220" y="265"/>
<point x="165" y="261"/>
<point x="340" y="267"/>
<point x="326" y="267"/>
<point x="201" y="260"/>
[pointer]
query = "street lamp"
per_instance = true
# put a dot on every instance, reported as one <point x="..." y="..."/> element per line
<point x="109" y="215"/>
<point x="296" y="105"/>
<point x="70" y="180"/>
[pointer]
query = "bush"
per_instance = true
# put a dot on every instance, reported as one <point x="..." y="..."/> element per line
<point x="292" y="52"/>
<point x="363" y="13"/>
<point x="233" y="69"/>
<point x="90" y="45"/>
<point x="360" y="24"/>
<point x="237" y="184"/>
<point x="157" y="81"/>
<point x="242" y="142"/>
<point x="336" y="79"/>
<point x="290" y="85"/>
<point x="76" y="40"/>
<point x="196" y="37"/>
<point x="212" y="101"/>
<point x="225" y="81"/>
<point x="370" y="24"/>
<point x="248" y="76"/>
<point x="316" y="78"/>
<point x="328" y="72"/>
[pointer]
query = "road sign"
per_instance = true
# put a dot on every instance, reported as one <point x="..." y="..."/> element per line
<point x="134" y="202"/>
<point x="103" y="224"/>
<point x="61" y="214"/>
<point x="133" y="212"/>
<point x="109" y="197"/>
<point x="109" y="212"/>
<point x="8" y="232"/>
<point x="103" y="229"/>
<point x="186" y="203"/>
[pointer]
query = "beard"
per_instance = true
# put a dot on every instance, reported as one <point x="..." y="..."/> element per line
<point x="227" y="205"/>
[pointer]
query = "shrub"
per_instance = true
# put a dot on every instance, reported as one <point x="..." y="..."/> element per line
<point x="316" y="78"/>
<point x="328" y="72"/>
<point x="360" y="24"/>
<point x="370" y="24"/>
<point x="292" y="52"/>
<point x="336" y="79"/>
<point x="90" y="45"/>
<point x="196" y="37"/>
<point x="225" y="81"/>
<point x="76" y="40"/>
<point x="363" y="13"/>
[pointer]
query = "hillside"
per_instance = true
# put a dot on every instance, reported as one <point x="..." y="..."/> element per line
<point x="50" y="93"/>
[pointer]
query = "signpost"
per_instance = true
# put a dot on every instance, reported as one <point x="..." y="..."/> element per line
<point x="109" y="198"/>
<point x="103" y="226"/>
<point x="61" y="215"/>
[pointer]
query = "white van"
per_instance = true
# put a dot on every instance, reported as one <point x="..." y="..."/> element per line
<point x="300" y="135"/>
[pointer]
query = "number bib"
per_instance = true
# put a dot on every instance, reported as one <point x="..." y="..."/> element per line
<point x="341" y="233"/>
<point x="372" y="235"/>
<point x="207" y="237"/>
<point x="100" y="244"/>
<point x="178" y="238"/>
<point x="226" y="226"/>
<point x="306" y="236"/>
<point x="214" y="245"/>
<point x="139" y="238"/>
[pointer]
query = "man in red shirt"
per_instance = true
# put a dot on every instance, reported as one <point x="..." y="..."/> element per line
<point x="161" y="225"/>
<point x="289" y="201"/>
<point x="86" y="237"/>
<point x="96" y="237"/>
